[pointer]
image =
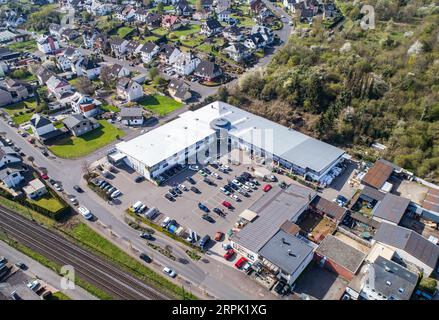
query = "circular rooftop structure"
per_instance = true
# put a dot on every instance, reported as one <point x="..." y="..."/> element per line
<point x="220" y="124"/>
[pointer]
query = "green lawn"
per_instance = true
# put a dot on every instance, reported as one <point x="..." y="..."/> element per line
<point x="48" y="202"/>
<point x="75" y="147"/>
<point x="59" y="296"/>
<point x="18" y="113"/>
<point x="28" y="46"/>
<point x="160" y="31"/>
<point x="150" y="38"/>
<point x="124" y="31"/>
<point x="192" y="42"/>
<point x="205" y="47"/>
<point x="161" y="105"/>
<point x="108" y="107"/>
<point x="190" y="29"/>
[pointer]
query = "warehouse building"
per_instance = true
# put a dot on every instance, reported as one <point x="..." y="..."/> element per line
<point x="219" y="127"/>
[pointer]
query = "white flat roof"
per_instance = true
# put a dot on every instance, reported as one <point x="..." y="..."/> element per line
<point x="193" y="126"/>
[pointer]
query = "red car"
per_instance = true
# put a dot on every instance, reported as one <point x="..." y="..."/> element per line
<point x="267" y="187"/>
<point x="44" y="176"/>
<point x="240" y="263"/>
<point x="218" y="236"/>
<point x="229" y="254"/>
<point x="227" y="204"/>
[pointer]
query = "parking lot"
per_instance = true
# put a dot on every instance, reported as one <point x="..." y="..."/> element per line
<point x="185" y="208"/>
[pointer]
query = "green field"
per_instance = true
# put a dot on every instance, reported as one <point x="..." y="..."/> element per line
<point x="108" y="107"/>
<point x="28" y="46"/>
<point x="124" y="31"/>
<point x="75" y="147"/>
<point x="190" y="29"/>
<point x="18" y="111"/>
<point x="160" y="31"/>
<point x="150" y="38"/>
<point x="48" y="202"/>
<point x="161" y="105"/>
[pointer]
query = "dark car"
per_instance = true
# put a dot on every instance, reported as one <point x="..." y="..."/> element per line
<point x="177" y="190"/>
<point x="208" y="218"/>
<point x="203" y="207"/>
<point x="228" y="188"/>
<point x="194" y="189"/>
<point x="218" y="211"/>
<point x="208" y="181"/>
<point x="207" y="170"/>
<point x="139" y="179"/>
<point x="51" y="181"/>
<point x="173" y="193"/>
<point x="146" y="236"/>
<point x="191" y="181"/>
<point x="145" y="257"/>
<point x="78" y="188"/>
<point x="169" y="197"/>
<point x="21" y="265"/>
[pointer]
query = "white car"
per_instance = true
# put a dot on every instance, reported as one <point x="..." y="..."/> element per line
<point x="246" y="188"/>
<point x="74" y="201"/>
<point x="214" y="174"/>
<point x="251" y="185"/>
<point x="224" y="191"/>
<point x="33" y="285"/>
<point x="183" y="187"/>
<point x="194" y="167"/>
<point x="234" y="196"/>
<point x="225" y="166"/>
<point x="115" y="194"/>
<point x="239" y="184"/>
<point x="58" y="187"/>
<point x="85" y="213"/>
<point x="168" y="271"/>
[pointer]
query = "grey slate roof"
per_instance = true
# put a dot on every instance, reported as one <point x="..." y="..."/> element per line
<point x="286" y="251"/>
<point x="74" y="119"/>
<point x="39" y="121"/>
<point x="372" y="193"/>
<point x="131" y="112"/>
<point x="391" y="208"/>
<point x="391" y="280"/>
<point x="273" y="208"/>
<point x="341" y="253"/>
<point x="411" y="242"/>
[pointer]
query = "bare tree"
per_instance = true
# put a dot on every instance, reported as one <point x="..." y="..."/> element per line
<point x="86" y="169"/>
<point x="85" y="86"/>
<point x="107" y="78"/>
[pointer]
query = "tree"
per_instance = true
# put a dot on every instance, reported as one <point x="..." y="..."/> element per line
<point x="107" y="78"/>
<point x="85" y="86"/>
<point x="160" y="7"/>
<point x="31" y="159"/>
<point x="153" y="72"/>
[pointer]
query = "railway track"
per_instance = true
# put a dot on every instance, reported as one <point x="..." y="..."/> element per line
<point x="90" y="267"/>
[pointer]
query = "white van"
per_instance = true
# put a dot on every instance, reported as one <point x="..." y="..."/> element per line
<point x="137" y="205"/>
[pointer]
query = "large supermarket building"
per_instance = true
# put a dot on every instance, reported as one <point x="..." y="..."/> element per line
<point x="218" y="127"/>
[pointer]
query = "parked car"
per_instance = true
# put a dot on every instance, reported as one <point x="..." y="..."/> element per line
<point x="229" y="254"/>
<point x="85" y="213"/>
<point x="227" y="204"/>
<point x="183" y="187"/>
<point x="173" y="193"/>
<point x="236" y="182"/>
<point x="169" y="197"/>
<point x="139" y="179"/>
<point x="44" y="176"/>
<point x="145" y="257"/>
<point x="195" y="189"/>
<point x="216" y="175"/>
<point x="169" y="272"/>
<point x="203" y="207"/>
<point x="204" y="242"/>
<point x="340" y="200"/>
<point x="58" y="187"/>
<point x="190" y="180"/>
<point x="178" y="191"/>
<point x="240" y="263"/>
<point x="223" y="190"/>
<point x="208" y="181"/>
<point x="267" y="188"/>
<point x="21" y="265"/>
<point x="218" y="236"/>
<point x="74" y="201"/>
<point x="234" y="196"/>
<point x="208" y="218"/>
<point x="243" y="192"/>
<point x="218" y="211"/>
<point x="51" y="181"/>
<point x="115" y="194"/>
<point x="34" y="285"/>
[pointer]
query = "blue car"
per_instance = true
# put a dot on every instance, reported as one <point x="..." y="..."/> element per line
<point x="203" y="207"/>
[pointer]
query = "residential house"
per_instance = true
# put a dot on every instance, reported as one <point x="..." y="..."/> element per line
<point x="233" y="34"/>
<point x="11" y="176"/>
<point x="288" y="4"/>
<point x="179" y="90"/>
<point x="223" y="15"/>
<point x="182" y="8"/>
<point x="254" y="41"/>
<point x="69" y="34"/>
<point x="410" y="248"/>
<point x="169" y="54"/>
<point x="186" y="63"/>
<point x="5" y="97"/>
<point x="85" y="105"/>
<point x="40" y="125"/>
<point x="387" y="280"/>
<point x="68" y="58"/>
<point x="153" y="20"/>
<point x="141" y="14"/>
<point x="237" y="52"/>
<point x="118" y="46"/>
<point x="307" y="15"/>
<point x="201" y="15"/>
<point x="88" y="67"/>
<point x="129" y="90"/>
<point x="171" y="22"/>
<point x="8" y="156"/>
<point x="128" y="13"/>
<point x="78" y="124"/>
<point x="57" y="87"/>
<point x="329" y="11"/>
<point x="35" y="189"/>
<point x="133" y="47"/>
<point x="55" y="30"/>
<point x="211" y="27"/>
<point x="18" y="90"/>
<point x="117" y="71"/>
<point x="208" y="70"/>
<point x="43" y="75"/>
<point x="266" y="33"/>
<point x="390" y="209"/>
<point x="207" y="4"/>
<point x="148" y="51"/>
<point x="132" y="116"/>
<point x="48" y="44"/>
